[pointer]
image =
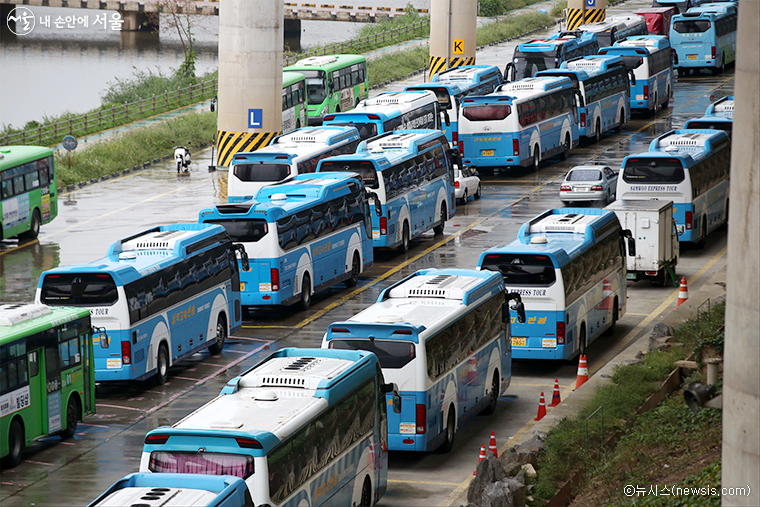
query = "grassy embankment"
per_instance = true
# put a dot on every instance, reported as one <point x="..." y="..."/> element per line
<point x="689" y="444"/>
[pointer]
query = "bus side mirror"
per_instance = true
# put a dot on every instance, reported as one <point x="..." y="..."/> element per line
<point x="632" y="77"/>
<point x="240" y="249"/>
<point x="446" y="119"/>
<point x="579" y="96"/>
<point x="626" y="234"/>
<point x="104" y="339"/>
<point x="506" y="72"/>
<point x="396" y="397"/>
<point x="378" y="206"/>
<point x="519" y="307"/>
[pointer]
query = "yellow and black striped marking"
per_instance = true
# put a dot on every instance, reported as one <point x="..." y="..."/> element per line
<point x="575" y="17"/>
<point x="230" y="143"/>
<point x="438" y="63"/>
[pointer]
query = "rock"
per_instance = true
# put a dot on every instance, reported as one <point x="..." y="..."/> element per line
<point x="529" y="498"/>
<point x="529" y="470"/>
<point x="660" y="330"/>
<point x="517" y="487"/>
<point x="497" y="495"/>
<point x="639" y="355"/>
<point x="530" y="487"/>
<point x="512" y="468"/>
<point x="535" y="445"/>
<point x="489" y="471"/>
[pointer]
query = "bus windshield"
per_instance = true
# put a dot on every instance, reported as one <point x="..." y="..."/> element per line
<point x="641" y="170"/>
<point x="316" y="89"/>
<point x="365" y="169"/>
<point x="518" y="269"/>
<point x="527" y="64"/>
<point x="243" y="230"/>
<point x="262" y="172"/>
<point x="79" y="289"/>
<point x="391" y="354"/>
<point x="211" y="463"/>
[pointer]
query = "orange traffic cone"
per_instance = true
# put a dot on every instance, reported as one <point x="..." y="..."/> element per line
<point x="480" y="458"/>
<point x="492" y="445"/>
<point x="555" y="395"/>
<point x="683" y="292"/>
<point x="582" y="372"/>
<point x="541" y="408"/>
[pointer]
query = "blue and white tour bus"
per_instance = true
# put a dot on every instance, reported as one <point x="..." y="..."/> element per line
<point x="302" y="236"/>
<point x="304" y="427"/>
<point x="719" y="116"/>
<point x="569" y="267"/>
<point x="541" y="54"/>
<point x="616" y="28"/>
<point x="704" y="37"/>
<point x="389" y="111"/>
<point x="603" y="82"/>
<point x="442" y="337"/>
<point x="690" y="168"/>
<point x="156" y="298"/>
<point x="521" y="124"/>
<point x="187" y="490"/>
<point x="411" y="172"/>
<point x="651" y="58"/>
<point x="288" y="155"/>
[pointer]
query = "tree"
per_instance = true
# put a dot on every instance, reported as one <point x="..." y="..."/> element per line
<point x="178" y="17"/>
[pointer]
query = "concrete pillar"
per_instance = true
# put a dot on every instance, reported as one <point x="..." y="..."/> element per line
<point x="452" y="36"/>
<point x="581" y="11"/>
<point x="250" y="76"/>
<point x="138" y="21"/>
<point x="741" y="377"/>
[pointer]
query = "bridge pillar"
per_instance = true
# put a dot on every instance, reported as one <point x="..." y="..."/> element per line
<point x="741" y="377"/>
<point x="452" y="34"/>
<point x="250" y="76"/>
<point x="585" y="11"/>
<point x="138" y="21"/>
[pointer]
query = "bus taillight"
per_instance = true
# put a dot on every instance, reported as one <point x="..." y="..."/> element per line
<point x="274" y="273"/>
<point x="516" y="147"/>
<point x="454" y="138"/>
<point x="688" y="220"/>
<point x="248" y="443"/>
<point x="560" y="333"/>
<point x="460" y="147"/>
<point x="646" y="92"/>
<point x="156" y="439"/>
<point x="712" y="52"/>
<point x="126" y="352"/>
<point x="383" y="226"/>
<point x="583" y="119"/>
<point x="421" y="416"/>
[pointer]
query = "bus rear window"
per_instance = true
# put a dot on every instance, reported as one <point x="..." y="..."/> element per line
<point x="691" y="26"/>
<point x="642" y="170"/>
<point x="79" y="289"/>
<point x="366" y="130"/>
<point x="519" y="269"/>
<point x="391" y="354"/>
<point x="261" y="172"/>
<point x="366" y="169"/>
<point x="209" y="463"/>
<point x="486" y="113"/>
<point x="724" y="126"/>
<point x="243" y="230"/>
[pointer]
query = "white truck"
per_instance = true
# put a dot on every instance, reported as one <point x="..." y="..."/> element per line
<point x="656" y="249"/>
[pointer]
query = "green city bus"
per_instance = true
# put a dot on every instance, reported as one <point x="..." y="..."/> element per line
<point x="293" y="101"/>
<point x="334" y="83"/>
<point x="47" y="374"/>
<point x="29" y="193"/>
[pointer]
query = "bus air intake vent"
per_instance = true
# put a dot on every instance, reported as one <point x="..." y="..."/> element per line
<point x="282" y="382"/>
<point x="428" y="293"/>
<point x="559" y="228"/>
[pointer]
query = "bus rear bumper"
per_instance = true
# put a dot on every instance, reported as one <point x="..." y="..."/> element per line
<point x="398" y="442"/>
<point x="495" y="162"/>
<point x="553" y="354"/>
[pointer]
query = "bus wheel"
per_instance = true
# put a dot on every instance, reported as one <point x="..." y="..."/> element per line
<point x="72" y="417"/>
<point x="356" y="268"/>
<point x="451" y="429"/>
<point x="703" y="240"/>
<point x="298" y="124"/>
<point x="221" y="335"/>
<point x="34" y="230"/>
<point x="611" y="330"/>
<point x="536" y="160"/>
<point x="15" y="444"/>
<point x="162" y="368"/>
<point x="306" y="292"/>
<point x="491" y="407"/>
<point x="438" y="229"/>
<point x="598" y="132"/>
<point x="619" y="128"/>
<point x="566" y="148"/>
<point x="582" y="340"/>
<point x="404" y="246"/>
<point x="366" y="500"/>
<point x="667" y="99"/>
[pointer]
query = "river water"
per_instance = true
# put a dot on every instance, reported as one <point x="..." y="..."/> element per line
<point x="55" y="69"/>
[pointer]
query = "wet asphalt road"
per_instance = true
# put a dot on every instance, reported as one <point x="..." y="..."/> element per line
<point x="108" y="445"/>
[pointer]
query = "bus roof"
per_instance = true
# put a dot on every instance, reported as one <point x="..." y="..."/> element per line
<point x="386" y="149"/>
<point x="187" y="490"/>
<point x="556" y="41"/>
<point x="289" y="78"/>
<point x="326" y="63"/>
<point x="595" y="64"/>
<point x="131" y="258"/>
<point x="467" y="75"/>
<point x="385" y="106"/>
<point x="723" y="107"/>
<point x="623" y="20"/>
<point x="265" y="401"/>
<point x="11" y="156"/>
<point x="20" y="320"/>
<point x="560" y="234"/>
<point x="652" y="43"/>
<point x="275" y="201"/>
<point x="527" y="87"/>
<point x="689" y="142"/>
<point x="301" y="143"/>
<point x="407" y="308"/>
<point x="720" y="9"/>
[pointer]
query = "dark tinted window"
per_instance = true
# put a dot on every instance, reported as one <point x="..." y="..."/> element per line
<point x="261" y="172"/>
<point x="366" y="130"/>
<point x="79" y="289"/>
<point x="638" y="170"/>
<point x="391" y="354"/>
<point x="486" y="113"/>
<point x="366" y="169"/>
<point x="691" y="26"/>
<point x="210" y="463"/>
<point x="517" y="269"/>
<point x="584" y="175"/>
<point x="242" y="230"/>
<point x="724" y="126"/>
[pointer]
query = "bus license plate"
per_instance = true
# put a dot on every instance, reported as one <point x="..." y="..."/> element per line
<point x="691" y="57"/>
<point x="487" y="153"/>
<point x="519" y="341"/>
<point x="242" y="287"/>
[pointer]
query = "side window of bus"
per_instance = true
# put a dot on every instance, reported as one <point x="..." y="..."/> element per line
<point x="69" y="353"/>
<point x="42" y="172"/>
<point x="441" y="162"/>
<point x="392" y="124"/>
<point x="541" y="109"/>
<point x="13" y="367"/>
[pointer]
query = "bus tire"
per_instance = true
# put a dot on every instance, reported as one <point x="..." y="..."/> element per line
<point x="451" y="429"/>
<point x="72" y="418"/>
<point x="221" y="335"/>
<point x="703" y="240"/>
<point x="619" y="128"/>
<point x="305" y="303"/>
<point x="356" y="268"/>
<point x="667" y="98"/>
<point x="654" y="107"/>
<point x="438" y="229"/>
<point x="493" y="398"/>
<point x="34" y="228"/>
<point x="162" y="365"/>
<point x="15" y="444"/>
<point x="598" y="131"/>
<point x="536" y="160"/>
<point x="566" y="148"/>
<point x="298" y="124"/>
<point x="366" y="499"/>
<point x="404" y="246"/>
<point x="582" y="340"/>
<point x="615" y="316"/>
<point x="724" y="225"/>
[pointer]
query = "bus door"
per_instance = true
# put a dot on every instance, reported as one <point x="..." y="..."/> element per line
<point x="85" y="342"/>
<point x="53" y="385"/>
<point x="33" y="425"/>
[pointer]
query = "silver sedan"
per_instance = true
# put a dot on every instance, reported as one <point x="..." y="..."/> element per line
<point x="589" y="183"/>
